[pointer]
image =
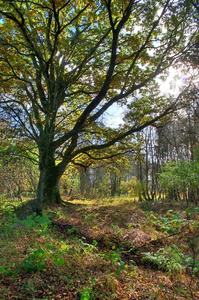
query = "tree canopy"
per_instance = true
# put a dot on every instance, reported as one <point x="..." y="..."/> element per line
<point x="63" y="64"/>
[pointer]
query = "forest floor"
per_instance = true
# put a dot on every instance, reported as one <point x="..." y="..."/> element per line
<point x="107" y="249"/>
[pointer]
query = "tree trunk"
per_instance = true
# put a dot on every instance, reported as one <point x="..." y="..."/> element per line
<point x="48" y="186"/>
<point x="47" y="190"/>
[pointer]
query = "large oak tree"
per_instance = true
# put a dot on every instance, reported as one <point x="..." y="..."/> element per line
<point x="65" y="63"/>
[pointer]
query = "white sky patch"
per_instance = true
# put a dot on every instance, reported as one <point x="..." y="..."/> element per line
<point x="114" y="122"/>
<point x="114" y="116"/>
<point x="173" y="83"/>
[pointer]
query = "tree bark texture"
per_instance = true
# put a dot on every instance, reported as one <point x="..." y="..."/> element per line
<point x="48" y="186"/>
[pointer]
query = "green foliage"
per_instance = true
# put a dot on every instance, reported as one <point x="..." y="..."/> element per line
<point x="72" y="231"/>
<point x="8" y="271"/>
<point x="170" y="223"/>
<point x="35" y="261"/>
<point x="86" y="294"/>
<point x="18" y="168"/>
<point x="171" y="259"/>
<point x="35" y="222"/>
<point x="192" y="211"/>
<point x="58" y="258"/>
<point x="114" y="256"/>
<point x="9" y="225"/>
<point x="180" y="177"/>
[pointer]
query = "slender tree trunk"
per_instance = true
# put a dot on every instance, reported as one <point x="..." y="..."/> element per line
<point x="113" y="178"/>
<point x="85" y="182"/>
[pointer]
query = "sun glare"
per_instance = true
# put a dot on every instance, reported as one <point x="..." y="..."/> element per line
<point x="171" y="85"/>
<point x="174" y="82"/>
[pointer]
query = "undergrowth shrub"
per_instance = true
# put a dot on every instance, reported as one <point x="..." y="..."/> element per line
<point x="172" y="222"/>
<point x="35" y="261"/>
<point x="171" y="259"/>
<point x="9" y="224"/>
<point x="40" y="223"/>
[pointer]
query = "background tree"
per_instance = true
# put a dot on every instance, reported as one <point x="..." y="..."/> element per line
<point x="65" y="63"/>
<point x="178" y="179"/>
<point x="18" y="162"/>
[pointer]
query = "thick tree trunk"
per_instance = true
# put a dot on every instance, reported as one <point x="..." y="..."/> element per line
<point x="48" y="189"/>
<point x="48" y="186"/>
